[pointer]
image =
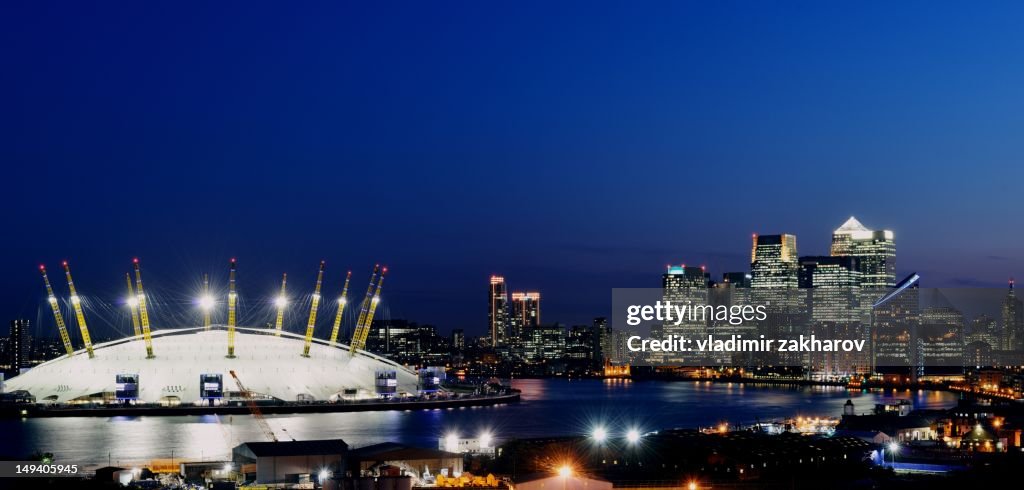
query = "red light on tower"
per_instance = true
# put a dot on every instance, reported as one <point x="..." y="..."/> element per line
<point x="135" y="260"/>
<point x="42" y="267"/>
<point x="64" y="263"/>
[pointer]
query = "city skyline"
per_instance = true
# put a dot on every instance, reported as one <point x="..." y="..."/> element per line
<point x="186" y="306"/>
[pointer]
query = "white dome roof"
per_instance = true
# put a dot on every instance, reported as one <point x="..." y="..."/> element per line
<point x="267" y="364"/>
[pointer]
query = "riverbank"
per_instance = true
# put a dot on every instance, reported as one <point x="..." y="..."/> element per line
<point x="35" y="411"/>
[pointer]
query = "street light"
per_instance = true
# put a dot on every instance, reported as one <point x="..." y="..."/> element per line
<point x="599" y="434"/>
<point x="564" y="471"/>
<point x="633" y="436"/>
<point x="206" y="302"/>
<point x="894" y="448"/>
<point x="692" y="485"/>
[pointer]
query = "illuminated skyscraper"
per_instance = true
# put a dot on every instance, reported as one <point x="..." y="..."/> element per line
<point x="875" y="250"/>
<point x="1013" y="321"/>
<point x="498" y="313"/>
<point x="525" y="313"/>
<point x="684" y="285"/>
<point x="773" y="262"/>
<point x="20" y="345"/>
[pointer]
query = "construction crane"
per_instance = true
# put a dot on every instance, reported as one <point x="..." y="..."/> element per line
<point x="76" y="302"/>
<point x="342" y="301"/>
<point x="368" y="322"/>
<point x="281" y="302"/>
<point x="232" y="298"/>
<point x="359" y="333"/>
<point x="143" y="311"/>
<point x="206" y="302"/>
<point x="52" y="299"/>
<point x="133" y="304"/>
<point x="254" y="408"/>
<point x="312" y="311"/>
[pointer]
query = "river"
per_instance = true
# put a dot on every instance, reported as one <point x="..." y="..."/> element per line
<point x="548" y="407"/>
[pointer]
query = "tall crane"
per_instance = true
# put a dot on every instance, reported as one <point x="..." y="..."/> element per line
<point x="254" y="408"/>
<point x="342" y="301"/>
<point x="206" y="302"/>
<point x="360" y="342"/>
<point x="312" y="311"/>
<point x="52" y="299"/>
<point x="358" y="333"/>
<point x="133" y="305"/>
<point x="76" y="302"/>
<point x="143" y="311"/>
<point x="281" y="302"/>
<point x="232" y="298"/>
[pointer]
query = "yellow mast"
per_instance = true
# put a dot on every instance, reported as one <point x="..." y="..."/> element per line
<point x="76" y="302"/>
<point x="358" y="333"/>
<point x="206" y="302"/>
<point x="143" y="312"/>
<point x="312" y="311"/>
<point x="232" y="298"/>
<point x="281" y="302"/>
<point x="342" y="301"/>
<point x="133" y="304"/>
<point x="360" y="343"/>
<point x="50" y="298"/>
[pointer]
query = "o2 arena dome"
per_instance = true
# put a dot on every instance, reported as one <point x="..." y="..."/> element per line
<point x="190" y="366"/>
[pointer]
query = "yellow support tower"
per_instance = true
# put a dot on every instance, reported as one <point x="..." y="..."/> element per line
<point x="361" y="341"/>
<point x="312" y="311"/>
<point x="143" y="311"/>
<point x="232" y="298"/>
<point x="281" y="302"/>
<point x="206" y="302"/>
<point x="133" y="304"/>
<point x="342" y="301"/>
<point x="362" y="311"/>
<point x="50" y="298"/>
<point x="76" y="302"/>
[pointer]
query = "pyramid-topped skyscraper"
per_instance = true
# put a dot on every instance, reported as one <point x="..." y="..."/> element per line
<point x="875" y="250"/>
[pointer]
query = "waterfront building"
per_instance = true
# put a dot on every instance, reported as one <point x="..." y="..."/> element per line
<point x="20" y="345"/>
<point x="525" y="313"/>
<point x="498" y="311"/>
<point x="1013" y="321"/>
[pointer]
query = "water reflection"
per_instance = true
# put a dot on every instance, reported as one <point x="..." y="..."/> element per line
<point x="548" y="407"/>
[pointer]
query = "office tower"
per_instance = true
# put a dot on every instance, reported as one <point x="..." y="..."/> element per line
<point x="458" y="339"/>
<point x="1013" y="321"/>
<point x="498" y="313"/>
<point x="604" y="338"/>
<point x="833" y="291"/>
<point x="940" y="340"/>
<point x="20" y="345"/>
<point x="774" y="267"/>
<point x="682" y="285"/>
<point x="525" y="313"/>
<point x="984" y="329"/>
<point x="773" y="262"/>
<point x="875" y="249"/>
<point x="544" y="343"/>
<point x="894" y="322"/>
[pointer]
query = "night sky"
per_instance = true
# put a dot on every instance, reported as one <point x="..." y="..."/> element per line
<point x="571" y="146"/>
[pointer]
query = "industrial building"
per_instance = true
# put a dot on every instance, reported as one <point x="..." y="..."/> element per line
<point x="289" y="461"/>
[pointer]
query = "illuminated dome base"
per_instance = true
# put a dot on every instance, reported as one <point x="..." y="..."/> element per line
<point x="269" y="366"/>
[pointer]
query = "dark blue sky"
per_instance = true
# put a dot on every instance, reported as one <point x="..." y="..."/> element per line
<point x="571" y="146"/>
